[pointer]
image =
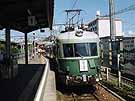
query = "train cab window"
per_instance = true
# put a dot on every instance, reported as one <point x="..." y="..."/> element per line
<point x="81" y="49"/>
<point x="93" y="47"/>
<point x="85" y="49"/>
<point x="68" y="50"/>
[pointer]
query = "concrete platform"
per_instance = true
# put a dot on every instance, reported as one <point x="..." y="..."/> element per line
<point x="36" y="60"/>
<point x="50" y="89"/>
<point x="24" y="86"/>
<point x="20" y="88"/>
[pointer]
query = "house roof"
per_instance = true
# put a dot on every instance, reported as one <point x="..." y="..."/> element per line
<point x="102" y="18"/>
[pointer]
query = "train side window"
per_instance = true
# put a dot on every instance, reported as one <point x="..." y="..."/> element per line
<point x="93" y="47"/>
<point x="58" y="50"/>
<point x="68" y="50"/>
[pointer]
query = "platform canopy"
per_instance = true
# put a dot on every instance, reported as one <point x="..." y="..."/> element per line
<point x="26" y="15"/>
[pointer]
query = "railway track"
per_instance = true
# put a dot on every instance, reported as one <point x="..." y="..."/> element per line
<point x="87" y="94"/>
<point x="76" y="93"/>
<point x="83" y="93"/>
<point x="82" y="97"/>
<point x="124" y="80"/>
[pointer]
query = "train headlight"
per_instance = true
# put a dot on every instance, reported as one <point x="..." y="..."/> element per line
<point x="97" y="79"/>
<point x="84" y="78"/>
<point x="79" y="33"/>
<point x="67" y="77"/>
<point x="78" y="78"/>
<point x="90" y="76"/>
<point x="100" y="78"/>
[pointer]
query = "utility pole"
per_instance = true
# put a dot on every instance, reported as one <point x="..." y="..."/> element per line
<point x="112" y="19"/>
<point x="112" y="38"/>
<point x="112" y="32"/>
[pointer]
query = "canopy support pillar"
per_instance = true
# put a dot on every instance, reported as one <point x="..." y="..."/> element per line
<point x="26" y="49"/>
<point x="8" y="43"/>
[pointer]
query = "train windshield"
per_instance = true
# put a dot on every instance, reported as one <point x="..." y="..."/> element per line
<point x="85" y="49"/>
<point x="80" y="49"/>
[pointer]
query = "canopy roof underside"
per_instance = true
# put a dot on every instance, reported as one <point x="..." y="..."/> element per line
<point x="15" y="13"/>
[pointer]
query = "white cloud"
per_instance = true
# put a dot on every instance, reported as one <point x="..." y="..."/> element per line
<point x="129" y="34"/>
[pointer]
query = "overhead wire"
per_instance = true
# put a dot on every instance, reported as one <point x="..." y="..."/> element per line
<point x="129" y="8"/>
<point x="74" y="4"/>
<point x="70" y="19"/>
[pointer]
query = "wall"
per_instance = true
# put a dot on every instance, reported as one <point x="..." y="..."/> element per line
<point x="104" y="28"/>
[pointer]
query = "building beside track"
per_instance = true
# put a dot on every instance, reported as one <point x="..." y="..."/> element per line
<point x="101" y="26"/>
<point x="129" y="54"/>
<point x="106" y="57"/>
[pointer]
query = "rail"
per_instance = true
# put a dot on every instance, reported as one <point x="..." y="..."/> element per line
<point x="41" y="88"/>
<point x="124" y="80"/>
<point x="128" y="81"/>
<point x="113" y="93"/>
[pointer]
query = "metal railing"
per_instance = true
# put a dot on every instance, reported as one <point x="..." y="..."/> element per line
<point x="41" y="88"/>
<point x="124" y="80"/>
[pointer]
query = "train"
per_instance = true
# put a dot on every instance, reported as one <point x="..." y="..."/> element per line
<point x="78" y="57"/>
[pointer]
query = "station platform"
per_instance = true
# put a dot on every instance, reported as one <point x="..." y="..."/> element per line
<point x="50" y="89"/>
<point x="23" y="87"/>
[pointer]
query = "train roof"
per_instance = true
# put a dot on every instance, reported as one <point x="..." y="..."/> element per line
<point x="71" y="37"/>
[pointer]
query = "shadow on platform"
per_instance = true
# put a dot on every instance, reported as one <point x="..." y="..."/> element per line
<point x="16" y="88"/>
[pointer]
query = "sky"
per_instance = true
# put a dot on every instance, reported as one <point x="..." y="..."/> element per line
<point x="89" y="8"/>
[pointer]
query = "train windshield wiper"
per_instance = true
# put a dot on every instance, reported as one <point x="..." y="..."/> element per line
<point x="78" y="54"/>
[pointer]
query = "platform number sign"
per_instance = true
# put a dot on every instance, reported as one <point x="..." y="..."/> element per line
<point x="32" y="20"/>
<point x="83" y="65"/>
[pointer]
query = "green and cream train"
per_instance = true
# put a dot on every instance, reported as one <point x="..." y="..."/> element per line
<point x="78" y="57"/>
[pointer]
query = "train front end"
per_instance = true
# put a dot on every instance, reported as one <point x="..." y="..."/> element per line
<point x="78" y="58"/>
